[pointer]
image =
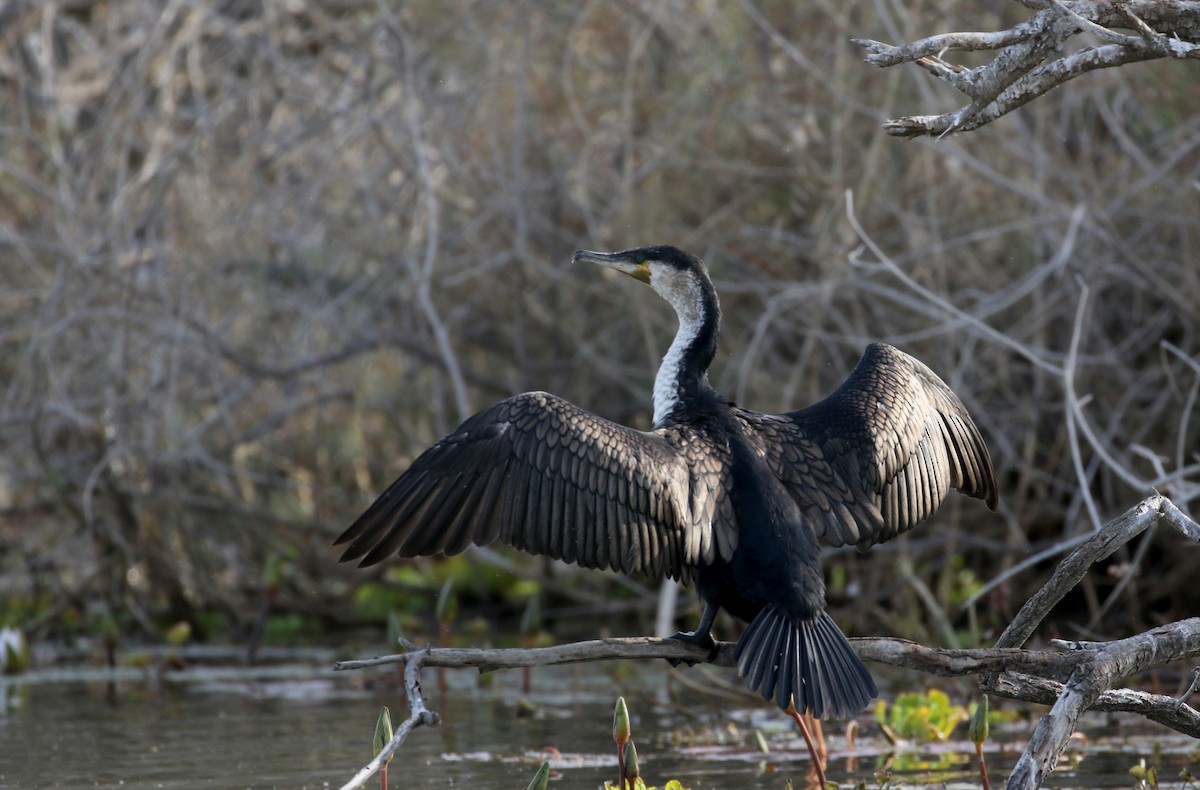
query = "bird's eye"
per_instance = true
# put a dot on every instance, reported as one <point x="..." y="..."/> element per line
<point x="640" y="258"/>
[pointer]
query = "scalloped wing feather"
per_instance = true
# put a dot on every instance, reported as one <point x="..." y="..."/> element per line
<point x="547" y="477"/>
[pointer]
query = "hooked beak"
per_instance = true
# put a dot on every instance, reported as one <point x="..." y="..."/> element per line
<point x="615" y="260"/>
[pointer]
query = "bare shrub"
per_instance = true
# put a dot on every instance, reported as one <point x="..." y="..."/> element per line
<point x="258" y="255"/>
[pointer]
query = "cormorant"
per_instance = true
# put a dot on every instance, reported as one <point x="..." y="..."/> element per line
<point x="730" y="499"/>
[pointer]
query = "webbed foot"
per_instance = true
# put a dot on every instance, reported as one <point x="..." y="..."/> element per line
<point x="698" y="638"/>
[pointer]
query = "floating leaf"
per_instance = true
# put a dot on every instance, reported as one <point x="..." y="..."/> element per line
<point x="913" y="715"/>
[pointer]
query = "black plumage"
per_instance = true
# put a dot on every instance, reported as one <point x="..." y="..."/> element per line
<point x="729" y="499"/>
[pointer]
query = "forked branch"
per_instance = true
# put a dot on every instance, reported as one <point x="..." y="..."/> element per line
<point x="1105" y="664"/>
<point x="1032" y="56"/>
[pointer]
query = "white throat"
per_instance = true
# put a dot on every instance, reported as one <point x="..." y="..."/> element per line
<point x="684" y="295"/>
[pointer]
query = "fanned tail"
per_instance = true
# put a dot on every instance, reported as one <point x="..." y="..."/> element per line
<point x="807" y="663"/>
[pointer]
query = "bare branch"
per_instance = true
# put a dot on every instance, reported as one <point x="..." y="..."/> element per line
<point x="1072" y="569"/>
<point x="1091" y="680"/>
<point x="893" y="652"/>
<point x="1108" y="663"/>
<point x="418" y="715"/>
<point x="1031" y="62"/>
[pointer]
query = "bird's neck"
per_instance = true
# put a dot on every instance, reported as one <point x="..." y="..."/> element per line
<point x="684" y="369"/>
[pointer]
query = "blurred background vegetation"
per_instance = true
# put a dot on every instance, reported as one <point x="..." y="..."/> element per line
<point x="256" y="255"/>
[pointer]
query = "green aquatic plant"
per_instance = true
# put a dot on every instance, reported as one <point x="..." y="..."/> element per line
<point x="633" y="771"/>
<point x="621" y="734"/>
<point x="383" y="736"/>
<point x="978" y="733"/>
<point x="629" y="771"/>
<point x="541" y="778"/>
<point x="1145" y="775"/>
<point x="446" y="610"/>
<point x="639" y="784"/>
<point x="926" y="716"/>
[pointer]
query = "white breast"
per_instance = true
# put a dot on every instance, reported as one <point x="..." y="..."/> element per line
<point x="684" y="295"/>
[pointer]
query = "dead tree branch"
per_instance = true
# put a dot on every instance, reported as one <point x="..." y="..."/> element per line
<point x="418" y="715"/>
<point x="893" y="652"/>
<point x="1033" y="59"/>
<point x="1106" y="663"/>
<point x="1079" y="679"/>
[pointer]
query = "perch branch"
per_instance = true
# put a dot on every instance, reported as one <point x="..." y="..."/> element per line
<point x="1031" y="58"/>
<point x="1079" y="677"/>
<point x="893" y="652"/>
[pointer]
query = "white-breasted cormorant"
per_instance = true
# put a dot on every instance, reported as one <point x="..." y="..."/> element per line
<point x="730" y="499"/>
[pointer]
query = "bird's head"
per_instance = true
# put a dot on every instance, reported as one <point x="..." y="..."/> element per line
<point x="677" y="276"/>
<point x="647" y="264"/>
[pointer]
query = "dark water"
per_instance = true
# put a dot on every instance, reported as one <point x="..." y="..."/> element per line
<point x="303" y="726"/>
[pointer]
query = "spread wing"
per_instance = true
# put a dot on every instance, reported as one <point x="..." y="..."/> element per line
<point x="881" y="453"/>
<point x="547" y="477"/>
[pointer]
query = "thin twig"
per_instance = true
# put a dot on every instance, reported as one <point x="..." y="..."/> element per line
<point x="1074" y="413"/>
<point x="885" y="262"/>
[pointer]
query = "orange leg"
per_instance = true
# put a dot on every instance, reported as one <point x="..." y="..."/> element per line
<point x="818" y="760"/>
<point x="814" y="726"/>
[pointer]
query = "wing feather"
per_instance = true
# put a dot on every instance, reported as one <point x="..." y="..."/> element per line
<point x="881" y="453"/>
<point x="546" y="477"/>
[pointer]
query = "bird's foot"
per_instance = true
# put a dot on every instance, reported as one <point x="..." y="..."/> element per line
<point x="703" y="640"/>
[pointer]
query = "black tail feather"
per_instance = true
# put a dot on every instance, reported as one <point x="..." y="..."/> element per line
<point x="807" y="663"/>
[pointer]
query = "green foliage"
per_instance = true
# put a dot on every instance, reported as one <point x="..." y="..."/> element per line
<point x="383" y="731"/>
<point x="639" y="784"/>
<point x="919" y="716"/>
<point x="623" y="735"/>
<point x="978" y="732"/>
<point x="621" y="728"/>
<point x="541" y="778"/>
<point x="1145" y="774"/>
<point x="289" y="627"/>
<point x="178" y="634"/>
